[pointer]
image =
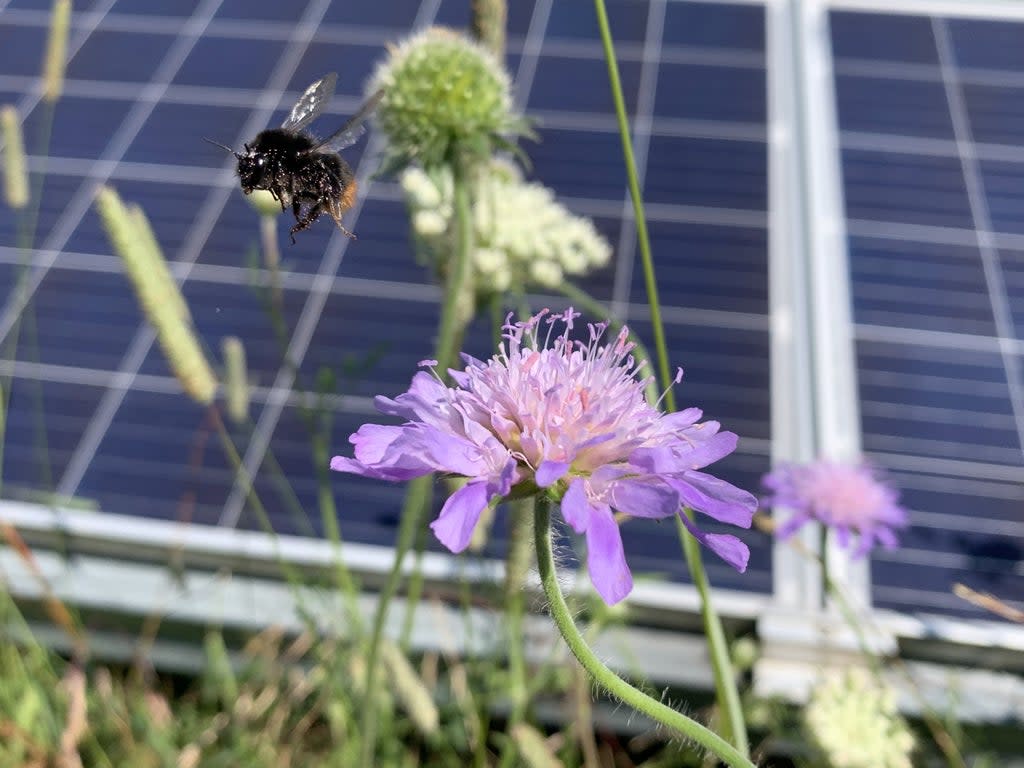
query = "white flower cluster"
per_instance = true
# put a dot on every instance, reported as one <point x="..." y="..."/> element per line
<point x="855" y="722"/>
<point x="522" y="235"/>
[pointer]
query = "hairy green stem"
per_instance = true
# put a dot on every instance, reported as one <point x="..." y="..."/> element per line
<point x="420" y="491"/>
<point x="517" y="566"/>
<point x="725" y="680"/>
<point x="601" y="674"/>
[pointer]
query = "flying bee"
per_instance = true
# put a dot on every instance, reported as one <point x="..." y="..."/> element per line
<point x="299" y="170"/>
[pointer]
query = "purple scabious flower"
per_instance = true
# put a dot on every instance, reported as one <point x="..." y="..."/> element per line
<point x="846" y="498"/>
<point x="567" y="417"/>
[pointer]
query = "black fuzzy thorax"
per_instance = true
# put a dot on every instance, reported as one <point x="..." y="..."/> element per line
<point x="290" y="169"/>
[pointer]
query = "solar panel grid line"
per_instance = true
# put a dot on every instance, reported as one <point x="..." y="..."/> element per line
<point x="115" y="149"/>
<point x="531" y="52"/>
<point x="75" y="43"/>
<point x="640" y="135"/>
<point x="340" y="33"/>
<point x="998" y="10"/>
<point x="983" y="222"/>
<point x="943" y="339"/>
<point x="259" y="442"/>
<point x="197" y="236"/>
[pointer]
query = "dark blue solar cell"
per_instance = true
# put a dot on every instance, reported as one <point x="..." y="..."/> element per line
<point x="159" y="459"/>
<point x="710" y="25"/>
<point x="1012" y="262"/>
<point x="353" y="63"/>
<point x="83" y="319"/>
<point x="174" y="134"/>
<point x="913" y="587"/>
<point x="384" y="249"/>
<point x="246" y="311"/>
<point x="930" y="286"/>
<point x="80" y="128"/>
<point x="995" y="113"/>
<point x="9" y="274"/>
<point x="157" y="7"/>
<point x="520" y="16"/>
<point x="711" y="93"/>
<point x="367" y="510"/>
<point x="23" y="49"/>
<point x="726" y="372"/>
<point x="230" y="63"/>
<point x="601" y="283"/>
<point x="578" y="20"/>
<point x="383" y="339"/>
<point x="703" y="266"/>
<point x="883" y="36"/>
<point x="128" y="56"/>
<point x="396" y="13"/>
<point x="580" y="85"/>
<point x="170" y="208"/>
<point x="57" y="193"/>
<point x="987" y="44"/>
<point x="263" y="10"/>
<point x="1004" y="191"/>
<point x="936" y="402"/>
<point x="707" y="172"/>
<point x="579" y="163"/>
<point x="887" y="105"/>
<point x="45" y="420"/>
<point x="905" y="189"/>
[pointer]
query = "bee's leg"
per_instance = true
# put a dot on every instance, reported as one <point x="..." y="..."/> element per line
<point x="311" y="215"/>
<point x="337" y="208"/>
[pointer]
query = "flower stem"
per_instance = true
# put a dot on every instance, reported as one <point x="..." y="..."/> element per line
<point x="601" y="674"/>
<point x="420" y="491"/>
<point x="725" y="681"/>
<point x="488" y="24"/>
<point x="517" y="565"/>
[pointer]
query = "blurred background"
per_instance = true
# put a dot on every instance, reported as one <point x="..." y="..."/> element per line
<point x="835" y="205"/>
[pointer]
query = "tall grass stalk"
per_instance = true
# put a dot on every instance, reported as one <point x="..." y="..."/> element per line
<point x="726" y="691"/>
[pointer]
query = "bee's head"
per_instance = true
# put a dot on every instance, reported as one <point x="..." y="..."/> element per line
<point x="251" y="166"/>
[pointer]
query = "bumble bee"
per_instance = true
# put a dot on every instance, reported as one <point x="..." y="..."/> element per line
<point x="299" y="170"/>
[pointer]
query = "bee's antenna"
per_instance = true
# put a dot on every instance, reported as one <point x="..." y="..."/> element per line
<point x="222" y="146"/>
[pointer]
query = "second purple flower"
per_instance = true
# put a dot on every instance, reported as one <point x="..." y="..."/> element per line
<point x="567" y="417"/>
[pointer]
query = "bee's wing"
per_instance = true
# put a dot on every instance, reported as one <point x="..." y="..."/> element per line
<point x="311" y="103"/>
<point x="350" y="132"/>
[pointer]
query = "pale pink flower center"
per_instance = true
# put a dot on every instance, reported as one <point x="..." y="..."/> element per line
<point x="842" y="497"/>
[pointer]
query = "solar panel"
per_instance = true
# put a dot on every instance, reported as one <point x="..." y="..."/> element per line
<point x="937" y="292"/>
<point x="148" y="80"/>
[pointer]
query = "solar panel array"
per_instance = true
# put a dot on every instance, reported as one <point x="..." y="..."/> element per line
<point x="933" y="154"/>
<point x="94" y="412"/>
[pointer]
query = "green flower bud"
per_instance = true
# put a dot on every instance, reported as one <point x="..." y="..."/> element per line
<point x="264" y="202"/>
<point x="444" y="97"/>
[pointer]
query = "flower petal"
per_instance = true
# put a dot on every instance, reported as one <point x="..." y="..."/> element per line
<point x="715" y="498"/>
<point x="550" y="472"/>
<point x="576" y="507"/>
<point x="460" y="514"/>
<point x="644" y="497"/>
<point x="727" y="547"/>
<point x="606" y="559"/>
